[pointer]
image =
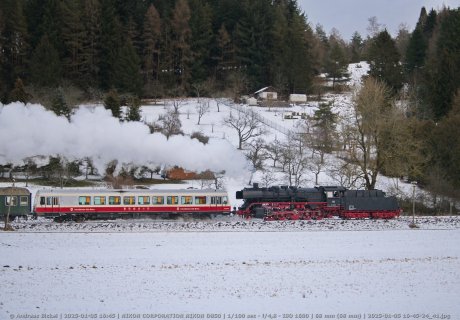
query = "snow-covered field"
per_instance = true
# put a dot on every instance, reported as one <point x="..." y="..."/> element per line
<point x="393" y="273"/>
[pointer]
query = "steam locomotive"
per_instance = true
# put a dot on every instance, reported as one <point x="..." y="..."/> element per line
<point x="292" y="203"/>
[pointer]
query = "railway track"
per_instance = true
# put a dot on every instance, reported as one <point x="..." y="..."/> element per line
<point x="233" y="224"/>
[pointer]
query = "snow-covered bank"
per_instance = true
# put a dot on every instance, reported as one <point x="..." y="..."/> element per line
<point x="389" y="272"/>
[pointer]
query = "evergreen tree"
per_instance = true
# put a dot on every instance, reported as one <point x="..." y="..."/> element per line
<point x="13" y="42"/>
<point x="45" y="66"/>
<point x="181" y="42"/>
<point x="254" y="41"/>
<point x="291" y="49"/>
<point x="73" y="35"/>
<point x="336" y="65"/>
<point x="356" y="47"/>
<point x="59" y="105"/>
<point x="321" y="49"/>
<point x="202" y="39"/>
<point x="134" y="109"/>
<point x="112" y="102"/>
<point x="447" y="155"/>
<point x="445" y="68"/>
<point x="324" y="125"/>
<point x="225" y="56"/>
<point x="51" y="25"/>
<point x="92" y="22"/>
<point x="109" y="43"/>
<point x="127" y="76"/>
<point x="385" y="61"/>
<point x="151" y="37"/>
<point x="416" y="51"/>
<point x="19" y="93"/>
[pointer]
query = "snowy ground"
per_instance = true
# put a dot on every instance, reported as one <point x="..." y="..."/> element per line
<point x="393" y="273"/>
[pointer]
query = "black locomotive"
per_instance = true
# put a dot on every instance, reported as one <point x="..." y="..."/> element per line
<point x="292" y="203"/>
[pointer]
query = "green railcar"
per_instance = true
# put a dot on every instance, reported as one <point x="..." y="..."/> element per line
<point x="16" y="201"/>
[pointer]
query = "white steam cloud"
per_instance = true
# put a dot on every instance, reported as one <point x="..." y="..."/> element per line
<point x="30" y="130"/>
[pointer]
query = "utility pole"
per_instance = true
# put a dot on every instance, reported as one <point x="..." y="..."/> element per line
<point x="413" y="224"/>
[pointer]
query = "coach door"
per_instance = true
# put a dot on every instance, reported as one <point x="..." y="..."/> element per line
<point x="218" y="201"/>
<point x="50" y="204"/>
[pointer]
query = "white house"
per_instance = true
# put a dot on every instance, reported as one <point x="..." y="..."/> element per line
<point x="267" y="93"/>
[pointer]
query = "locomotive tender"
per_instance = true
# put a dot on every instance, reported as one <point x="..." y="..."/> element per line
<point x="292" y="203"/>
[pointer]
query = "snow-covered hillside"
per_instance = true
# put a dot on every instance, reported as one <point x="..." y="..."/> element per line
<point x="93" y="132"/>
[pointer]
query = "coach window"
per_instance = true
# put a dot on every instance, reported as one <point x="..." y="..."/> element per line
<point x="186" y="200"/>
<point x="158" y="200"/>
<point x="224" y="200"/>
<point x="216" y="200"/>
<point x="51" y="201"/>
<point x="116" y="200"/>
<point x="84" y="200"/>
<point x="143" y="200"/>
<point x="24" y="201"/>
<point x="172" y="200"/>
<point x="99" y="200"/>
<point x="200" y="200"/>
<point x="129" y="200"/>
<point x="42" y="201"/>
<point x="11" y="201"/>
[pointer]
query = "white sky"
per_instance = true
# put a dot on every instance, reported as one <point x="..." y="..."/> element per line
<point x="349" y="16"/>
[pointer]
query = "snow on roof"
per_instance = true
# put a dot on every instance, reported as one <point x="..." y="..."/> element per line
<point x="262" y="90"/>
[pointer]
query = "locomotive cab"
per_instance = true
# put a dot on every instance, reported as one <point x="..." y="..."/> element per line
<point x="334" y="195"/>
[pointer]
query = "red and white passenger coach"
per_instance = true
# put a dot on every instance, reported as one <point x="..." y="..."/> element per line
<point x="113" y="203"/>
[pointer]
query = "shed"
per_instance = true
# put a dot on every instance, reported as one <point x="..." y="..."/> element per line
<point x="298" y="98"/>
<point x="267" y="93"/>
<point x="251" y="101"/>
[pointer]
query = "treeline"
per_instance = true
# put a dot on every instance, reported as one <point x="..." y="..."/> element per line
<point x="155" y="48"/>
<point x="432" y="74"/>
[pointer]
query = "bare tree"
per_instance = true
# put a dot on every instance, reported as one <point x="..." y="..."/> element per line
<point x="219" y="102"/>
<point x="212" y="179"/>
<point x="316" y="163"/>
<point x="150" y="169"/>
<point x="294" y="160"/>
<point x="374" y="26"/>
<point x="274" y="151"/>
<point x="346" y="174"/>
<point x="176" y="104"/>
<point x="256" y="153"/>
<point x="246" y="124"/>
<point x="171" y="124"/>
<point x="202" y="108"/>
<point x="267" y="178"/>
<point x="380" y="137"/>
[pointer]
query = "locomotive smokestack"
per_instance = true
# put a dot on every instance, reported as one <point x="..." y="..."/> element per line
<point x="255" y="185"/>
